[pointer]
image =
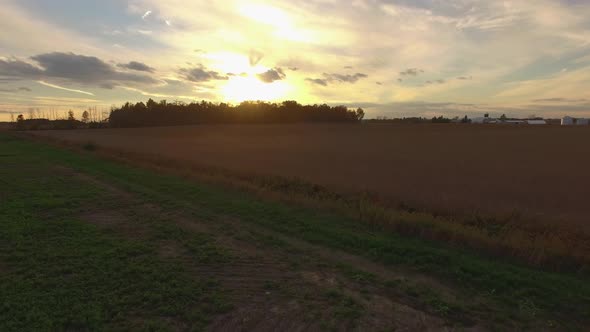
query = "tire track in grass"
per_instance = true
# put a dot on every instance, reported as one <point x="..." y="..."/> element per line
<point x="249" y="275"/>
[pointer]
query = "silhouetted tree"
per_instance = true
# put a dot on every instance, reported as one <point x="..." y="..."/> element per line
<point x="20" y="122"/>
<point x="440" y="119"/>
<point x="503" y="117"/>
<point x="151" y="105"/>
<point x="71" y="116"/>
<point x="85" y="117"/>
<point x="360" y="114"/>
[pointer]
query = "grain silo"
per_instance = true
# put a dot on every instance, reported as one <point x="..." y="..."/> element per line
<point x="567" y="121"/>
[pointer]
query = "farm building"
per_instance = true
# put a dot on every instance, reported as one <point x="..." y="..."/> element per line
<point x="536" y="122"/>
<point x="486" y="119"/>
<point x="567" y="121"/>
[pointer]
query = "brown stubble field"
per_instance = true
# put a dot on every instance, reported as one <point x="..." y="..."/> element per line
<point x="540" y="173"/>
<point x="512" y="191"/>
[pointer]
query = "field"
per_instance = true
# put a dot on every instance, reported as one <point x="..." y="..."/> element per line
<point x="539" y="172"/>
<point x="516" y="191"/>
<point x="88" y="243"/>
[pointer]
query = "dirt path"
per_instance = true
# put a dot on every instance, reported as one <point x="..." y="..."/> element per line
<point x="273" y="282"/>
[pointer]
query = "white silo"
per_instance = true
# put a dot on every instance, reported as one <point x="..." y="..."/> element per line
<point x="567" y="121"/>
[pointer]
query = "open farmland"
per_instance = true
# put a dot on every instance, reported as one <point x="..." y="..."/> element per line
<point x="539" y="173"/>
<point x="93" y="244"/>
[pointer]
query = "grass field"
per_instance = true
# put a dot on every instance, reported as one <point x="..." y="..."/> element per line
<point x="514" y="191"/>
<point x="92" y="244"/>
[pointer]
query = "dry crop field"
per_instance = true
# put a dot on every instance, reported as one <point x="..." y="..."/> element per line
<point x="538" y="172"/>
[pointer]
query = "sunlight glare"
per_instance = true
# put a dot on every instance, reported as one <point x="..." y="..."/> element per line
<point x="239" y="89"/>
<point x="228" y="62"/>
<point x="278" y="19"/>
<point x="267" y="15"/>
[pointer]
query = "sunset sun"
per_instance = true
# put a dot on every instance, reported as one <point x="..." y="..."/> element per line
<point x="241" y="88"/>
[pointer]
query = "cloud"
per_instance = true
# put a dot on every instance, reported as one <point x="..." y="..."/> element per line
<point x="201" y="74"/>
<point x="559" y="100"/>
<point x="439" y="81"/>
<point x="146" y="14"/>
<point x="65" y="89"/>
<point x="70" y="67"/>
<point x="464" y="78"/>
<point x="345" y="78"/>
<point x="411" y="72"/>
<point x="271" y="75"/>
<point x="67" y="99"/>
<point x="318" y="81"/>
<point x="236" y="74"/>
<point x="137" y="66"/>
<point x="255" y="57"/>
<point x="202" y="95"/>
<point x="19" y="89"/>
<point x="85" y="69"/>
<point x="339" y="78"/>
<point x="17" y="69"/>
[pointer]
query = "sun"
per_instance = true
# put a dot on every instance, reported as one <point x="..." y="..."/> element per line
<point x="242" y="88"/>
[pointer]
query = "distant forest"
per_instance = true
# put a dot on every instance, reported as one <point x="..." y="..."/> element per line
<point x="170" y="114"/>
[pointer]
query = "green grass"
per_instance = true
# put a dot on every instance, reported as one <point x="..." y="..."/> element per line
<point x="58" y="272"/>
<point x="510" y="292"/>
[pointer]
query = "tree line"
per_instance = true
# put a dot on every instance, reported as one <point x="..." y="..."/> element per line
<point x="37" y="121"/>
<point x="163" y="113"/>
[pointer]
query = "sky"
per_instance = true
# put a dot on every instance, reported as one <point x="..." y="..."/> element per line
<point x="394" y="58"/>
